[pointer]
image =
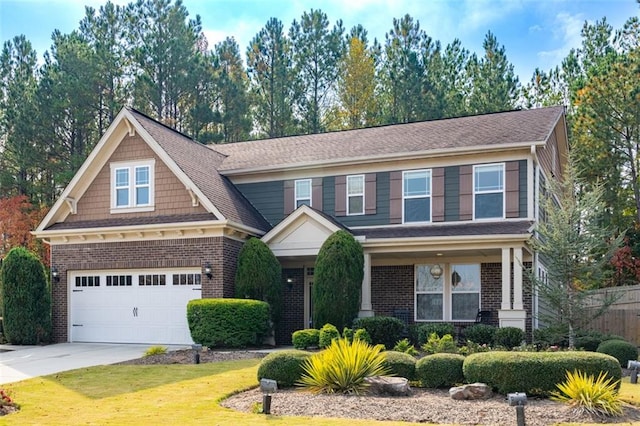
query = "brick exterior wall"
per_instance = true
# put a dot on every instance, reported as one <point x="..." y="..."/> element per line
<point x="189" y="252"/>
<point x="292" y="317"/>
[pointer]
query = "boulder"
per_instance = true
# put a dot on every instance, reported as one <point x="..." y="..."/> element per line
<point x="385" y="385"/>
<point x="472" y="391"/>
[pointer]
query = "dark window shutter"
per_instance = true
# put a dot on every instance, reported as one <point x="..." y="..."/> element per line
<point x="341" y="195"/>
<point x="437" y="194"/>
<point x="370" y="193"/>
<point x="289" y="197"/>
<point x="395" y="197"/>
<point x="512" y="186"/>
<point x="316" y="193"/>
<point x="466" y="192"/>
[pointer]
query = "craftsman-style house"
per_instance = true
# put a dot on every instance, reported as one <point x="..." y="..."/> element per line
<point x="443" y="209"/>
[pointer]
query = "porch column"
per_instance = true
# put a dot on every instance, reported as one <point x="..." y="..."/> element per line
<point x="366" y="310"/>
<point x="506" y="279"/>
<point x="517" y="278"/>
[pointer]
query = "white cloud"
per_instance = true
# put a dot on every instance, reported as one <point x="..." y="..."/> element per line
<point x="567" y="32"/>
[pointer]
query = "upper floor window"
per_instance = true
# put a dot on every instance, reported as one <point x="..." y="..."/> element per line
<point x="303" y="192"/>
<point x="355" y="195"/>
<point x="488" y="191"/>
<point x="416" y="196"/>
<point x="132" y="186"/>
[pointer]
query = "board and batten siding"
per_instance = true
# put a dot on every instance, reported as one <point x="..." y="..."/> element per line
<point x="451" y="193"/>
<point x="523" y="188"/>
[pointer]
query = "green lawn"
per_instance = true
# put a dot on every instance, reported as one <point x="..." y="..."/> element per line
<point x="157" y="394"/>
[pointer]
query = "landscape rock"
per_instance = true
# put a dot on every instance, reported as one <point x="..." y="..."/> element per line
<point x="472" y="391"/>
<point x="385" y="385"/>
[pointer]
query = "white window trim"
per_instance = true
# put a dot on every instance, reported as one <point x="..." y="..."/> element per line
<point x="503" y="191"/>
<point x="295" y="190"/>
<point x="429" y="192"/>
<point x="447" y="293"/>
<point x="131" y="167"/>
<point x="349" y="213"/>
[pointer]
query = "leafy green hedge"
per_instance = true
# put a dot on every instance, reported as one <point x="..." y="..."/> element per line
<point x="481" y="334"/>
<point x="400" y="364"/>
<point x="440" y="370"/>
<point x="285" y="367"/>
<point x="328" y="333"/>
<point x="303" y="339"/>
<point x="621" y="350"/>
<point x="441" y="329"/>
<point x="382" y="330"/>
<point x="229" y="323"/>
<point x="535" y="373"/>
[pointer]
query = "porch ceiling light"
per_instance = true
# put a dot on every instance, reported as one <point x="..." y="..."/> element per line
<point x="436" y="271"/>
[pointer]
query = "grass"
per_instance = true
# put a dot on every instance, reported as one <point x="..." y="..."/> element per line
<point x="159" y="394"/>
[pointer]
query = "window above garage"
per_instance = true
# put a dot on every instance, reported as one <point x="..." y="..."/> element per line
<point x="132" y="186"/>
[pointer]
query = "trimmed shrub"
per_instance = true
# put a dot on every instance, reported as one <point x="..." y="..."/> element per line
<point x="535" y="373"/>
<point x="591" y="339"/>
<point x="228" y="322"/>
<point x="508" y="337"/>
<point x="328" y="333"/>
<point x="406" y="347"/>
<point x="347" y="333"/>
<point x="342" y="367"/>
<point x="362" y="335"/>
<point x="259" y="276"/>
<point x="440" y="370"/>
<point x="621" y="350"/>
<point x="307" y="338"/>
<point x="400" y="364"/>
<point x="425" y="330"/>
<point x="382" y="330"/>
<point x="26" y="301"/>
<point x="444" y="344"/>
<point x="482" y="334"/>
<point x="338" y="280"/>
<point x="285" y="367"/>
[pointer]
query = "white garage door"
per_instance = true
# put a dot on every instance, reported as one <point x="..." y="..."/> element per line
<point x="127" y="306"/>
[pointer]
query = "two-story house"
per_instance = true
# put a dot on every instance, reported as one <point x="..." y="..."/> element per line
<point x="443" y="209"/>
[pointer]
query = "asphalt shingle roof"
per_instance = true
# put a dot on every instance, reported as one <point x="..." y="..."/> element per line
<point x="513" y="127"/>
<point x="200" y="164"/>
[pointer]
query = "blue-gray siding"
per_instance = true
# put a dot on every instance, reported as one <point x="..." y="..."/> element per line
<point x="267" y="198"/>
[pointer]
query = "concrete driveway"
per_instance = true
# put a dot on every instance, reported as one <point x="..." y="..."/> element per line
<point x="24" y="362"/>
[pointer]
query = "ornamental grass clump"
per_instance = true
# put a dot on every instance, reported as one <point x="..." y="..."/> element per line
<point x="342" y="367"/>
<point x="597" y="397"/>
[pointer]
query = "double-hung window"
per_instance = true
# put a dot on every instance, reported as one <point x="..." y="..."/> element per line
<point x="355" y="195"/>
<point x="303" y="192"/>
<point x="488" y="191"/>
<point x="416" y="196"/>
<point x="429" y="295"/>
<point x="132" y="186"/>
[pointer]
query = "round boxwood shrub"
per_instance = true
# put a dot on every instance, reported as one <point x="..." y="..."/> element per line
<point x="508" y="337"/>
<point x="440" y="370"/>
<point x="482" y="334"/>
<point x="621" y="350"/>
<point x="382" y="330"/>
<point x="535" y="373"/>
<point x="307" y="338"/>
<point x="327" y="334"/>
<point x="441" y="329"/>
<point x="400" y="364"/>
<point x="285" y="367"/>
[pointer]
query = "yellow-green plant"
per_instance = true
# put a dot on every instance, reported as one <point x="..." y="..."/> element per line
<point x="155" y="350"/>
<point x="406" y="347"/>
<point x="342" y="367"/>
<point x="586" y="394"/>
<point x="436" y="345"/>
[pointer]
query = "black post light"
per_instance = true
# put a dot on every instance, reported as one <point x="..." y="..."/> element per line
<point x="267" y="386"/>
<point x="634" y="366"/>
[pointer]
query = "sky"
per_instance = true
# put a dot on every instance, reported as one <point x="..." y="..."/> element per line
<point x="535" y="33"/>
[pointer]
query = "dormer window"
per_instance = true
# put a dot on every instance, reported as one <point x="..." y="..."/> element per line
<point x="132" y="186"/>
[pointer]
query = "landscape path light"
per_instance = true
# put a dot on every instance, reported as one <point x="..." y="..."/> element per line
<point x="267" y="386"/>
<point x="518" y="400"/>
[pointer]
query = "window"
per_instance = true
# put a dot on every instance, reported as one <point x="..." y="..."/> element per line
<point x="118" y="280"/>
<point x="429" y="295"/>
<point x="488" y="190"/>
<point x="152" y="279"/>
<point x="452" y="296"/>
<point x="187" y="279"/>
<point x="355" y="195"/>
<point x="465" y="292"/>
<point x="416" y="196"/>
<point x="132" y="185"/>
<point x="303" y="192"/>
<point x="88" y="281"/>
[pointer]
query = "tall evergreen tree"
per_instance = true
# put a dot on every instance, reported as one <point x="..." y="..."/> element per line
<point x="269" y="63"/>
<point x="316" y="52"/>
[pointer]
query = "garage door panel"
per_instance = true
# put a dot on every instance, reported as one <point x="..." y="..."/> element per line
<point x="132" y="306"/>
